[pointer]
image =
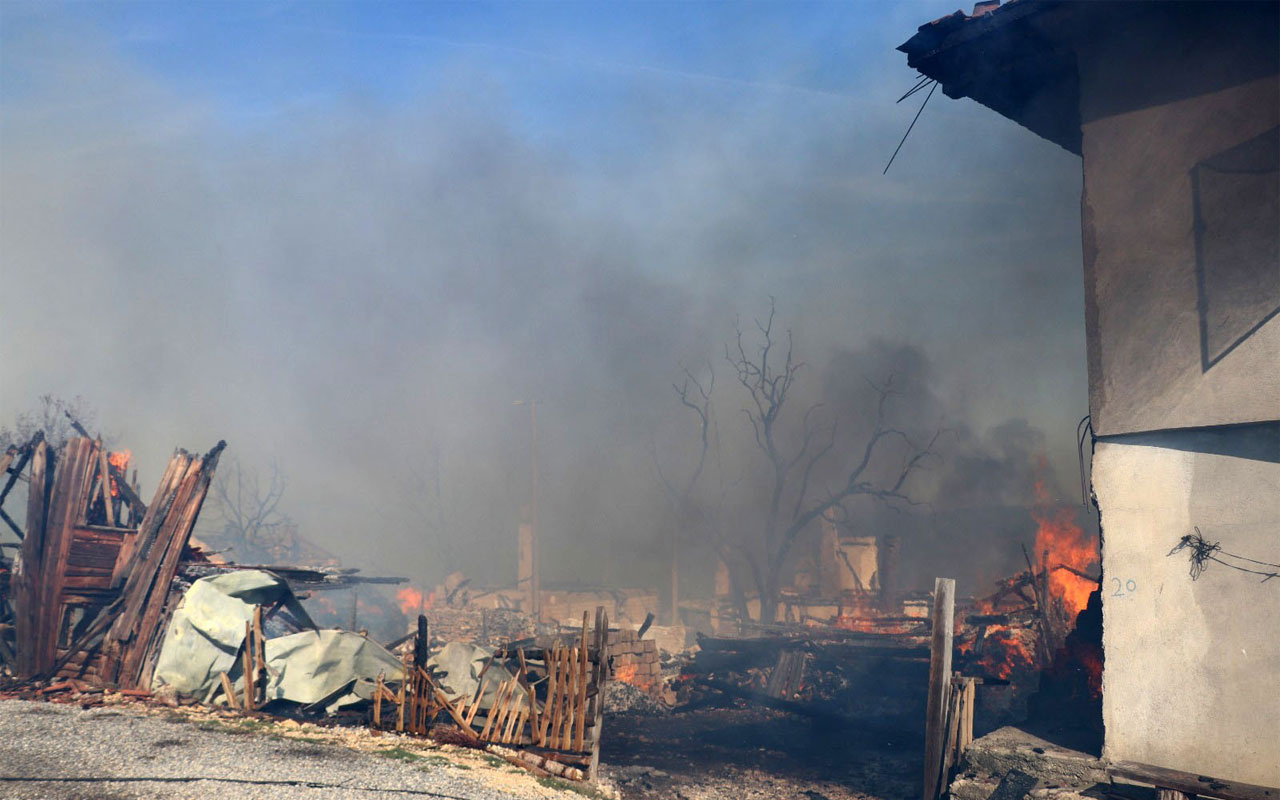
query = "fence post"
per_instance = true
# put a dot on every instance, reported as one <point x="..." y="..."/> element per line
<point x="943" y="620"/>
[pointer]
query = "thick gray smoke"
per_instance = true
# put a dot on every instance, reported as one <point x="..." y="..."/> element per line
<point x="360" y="290"/>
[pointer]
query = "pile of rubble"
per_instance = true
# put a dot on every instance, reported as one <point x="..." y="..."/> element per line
<point x="480" y="625"/>
<point x="815" y="672"/>
<point x="622" y="698"/>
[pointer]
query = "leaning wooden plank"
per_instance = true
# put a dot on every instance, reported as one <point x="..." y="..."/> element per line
<point x="162" y="565"/>
<point x="143" y="560"/>
<point x="145" y="523"/>
<point x="557" y="715"/>
<point x="27" y="582"/>
<point x="509" y="719"/>
<point x="479" y="695"/>
<point x="463" y="726"/>
<point x="248" y="666"/>
<point x="26" y="452"/>
<point x="953" y="734"/>
<point x="570" y="695"/>
<point x="410" y="697"/>
<point x="229" y="692"/>
<point x="400" y="706"/>
<point x="259" y="659"/>
<point x="151" y="629"/>
<point x="105" y="483"/>
<point x="496" y="711"/>
<point x="1190" y="783"/>
<point x="523" y="675"/>
<point x="601" y="675"/>
<point x="65" y="502"/>
<point x="517" y="736"/>
<point x="548" y="707"/>
<point x="564" y="736"/>
<point x="580" y="721"/>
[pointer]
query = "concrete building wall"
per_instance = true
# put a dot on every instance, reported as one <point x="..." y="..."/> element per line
<point x="1192" y="678"/>
<point x="1181" y="231"/>
<point x="1181" y="225"/>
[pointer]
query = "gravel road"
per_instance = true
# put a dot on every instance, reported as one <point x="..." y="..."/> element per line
<point x="62" y="751"/>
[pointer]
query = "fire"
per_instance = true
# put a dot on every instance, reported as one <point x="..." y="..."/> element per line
<point x="120" y="461"/>
<point x="1003" y="651"/>
<point x="413" y="602"/>
<point x="626" y="673"/>
<point x="1067" y="546"/>
<point x="630" y="673"/>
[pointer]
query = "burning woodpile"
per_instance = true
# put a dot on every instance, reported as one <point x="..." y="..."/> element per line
<point x="1021" y="627"/>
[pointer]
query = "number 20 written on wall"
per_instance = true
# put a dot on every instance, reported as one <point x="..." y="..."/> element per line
<point x="1123" y="588"/>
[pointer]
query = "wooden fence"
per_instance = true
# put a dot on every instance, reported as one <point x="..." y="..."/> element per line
<point x="552" y="704"/>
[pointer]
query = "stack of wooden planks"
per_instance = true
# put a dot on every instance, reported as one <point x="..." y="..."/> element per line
<point x="91" y="590"/>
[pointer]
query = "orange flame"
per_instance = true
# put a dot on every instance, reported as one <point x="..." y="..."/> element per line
<point x="413" y="602"/>
<point x="1003" y="652"/>
<point x="626" y="673"/>
<point x="120" y="461"/>
<point x="630" y="673"/>
<point x="1067" y="545"/>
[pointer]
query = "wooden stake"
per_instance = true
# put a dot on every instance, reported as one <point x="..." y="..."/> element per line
<point x="248" y="665"/>
<point x="400" y="700"/>
<point x="260" y="658"/>
<point x="230" y="692"/>
<point x="580" y="721"/>
<point x="953" y="733"/>
<point x="944" y="598"/>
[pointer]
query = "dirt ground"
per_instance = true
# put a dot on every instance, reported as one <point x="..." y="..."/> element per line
<point x="141" y="750"/>
<point x="752" y="754"/>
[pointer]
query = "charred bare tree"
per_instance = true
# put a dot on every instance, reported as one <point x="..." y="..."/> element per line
<point x="768" y="373"/>
<point x="53" y="416"/>
<point x="253" y="525"/>
<point x="685" y="511"/>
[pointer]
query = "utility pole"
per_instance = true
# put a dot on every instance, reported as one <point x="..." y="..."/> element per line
<point x="675" y="575"/>
<point x="536" y="576"/>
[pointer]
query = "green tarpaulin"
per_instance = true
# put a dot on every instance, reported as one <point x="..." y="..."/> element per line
<point x="304" y="665"/>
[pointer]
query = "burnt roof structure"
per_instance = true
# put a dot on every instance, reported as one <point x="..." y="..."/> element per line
<point x="1020" y="59"/>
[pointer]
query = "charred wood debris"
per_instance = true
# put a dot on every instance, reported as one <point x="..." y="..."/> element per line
<point x="87" y="591"/>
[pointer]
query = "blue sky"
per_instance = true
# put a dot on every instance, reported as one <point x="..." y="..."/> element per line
<point x="566" y="67"/>
<point x="319" y="217"/>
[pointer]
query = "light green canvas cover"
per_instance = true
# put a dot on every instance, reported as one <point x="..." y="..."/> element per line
<point x="312" y="666"/>
<point x="207" y="631"/>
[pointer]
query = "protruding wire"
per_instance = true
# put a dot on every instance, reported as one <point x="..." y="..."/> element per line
<point x="909" y="127"/>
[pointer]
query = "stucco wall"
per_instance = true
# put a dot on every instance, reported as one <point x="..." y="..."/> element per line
<point x="1192" y="677"/>
<point x="1180" y="211"/>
